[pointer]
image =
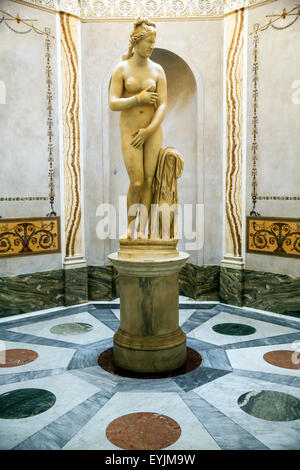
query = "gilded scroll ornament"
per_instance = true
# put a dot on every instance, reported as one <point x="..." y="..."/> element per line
<point x="273" y="236"/>
<point x="19" y="237"/>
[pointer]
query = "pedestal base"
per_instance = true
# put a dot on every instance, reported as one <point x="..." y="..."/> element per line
<point x="149" y="361"/>
<point x="149" y="338"/>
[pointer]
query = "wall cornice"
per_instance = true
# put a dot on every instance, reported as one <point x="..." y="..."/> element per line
<point x="159" y="10"/>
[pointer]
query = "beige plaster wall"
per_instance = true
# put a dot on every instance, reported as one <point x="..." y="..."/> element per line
<point x="278" y="126"/>
<point x="193" y="123"/>
<point x="23" y="128"/>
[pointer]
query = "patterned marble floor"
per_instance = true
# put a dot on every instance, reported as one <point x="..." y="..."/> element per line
<point x="244" y="395"/>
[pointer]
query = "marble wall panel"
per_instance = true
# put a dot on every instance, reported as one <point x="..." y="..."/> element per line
<point x="76" y="286"/>
<point x="199" y="282"/>
<point x="29" y="292"/>
<point x="273" y="292"/>
<point x="231" y="286"/>
<point x="234" y="33"/>
<point x="102" y="283"/>
<point x="277" y="293"/>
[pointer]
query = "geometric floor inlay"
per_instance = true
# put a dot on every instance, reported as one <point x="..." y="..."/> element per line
<point x="193" y="361"/>
<point x="67" y="329"/>
<point x="283" y="358"/>
<point x="270" y="405"/>
<point x="143" y="431"/>
<point x="238" y="390"/>
<point x="17" y="357"/>
<point x="25" y="402"/>
<point x="234" y="329"/>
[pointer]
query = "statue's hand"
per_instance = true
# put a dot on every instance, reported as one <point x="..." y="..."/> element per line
<point x="140" y="137"/>
<point x="147" y="97"/>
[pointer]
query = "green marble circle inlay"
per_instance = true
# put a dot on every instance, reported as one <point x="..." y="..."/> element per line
<point x="67" y="329"/>
<point x="234" y="329"/>
<point x="25" y="402"/>
<point x="270" y="405"/>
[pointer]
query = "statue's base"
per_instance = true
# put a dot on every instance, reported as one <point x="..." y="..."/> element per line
<point x="148" y="249"/>
<point x="149" y="338"/>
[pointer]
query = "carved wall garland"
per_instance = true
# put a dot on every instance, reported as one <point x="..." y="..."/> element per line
<point x="254" y="194"/>
<point x="49" y="96"/>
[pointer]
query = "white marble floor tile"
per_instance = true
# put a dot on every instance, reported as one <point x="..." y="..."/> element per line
<point x="185" y="314"/>
<point x="100" y="302"/>
<point x="193" y="436"/>
<point x="116" y="312"/>
<point x="69" y="390"/>
<point x="49" y="357"/>
<point x="42" y="328"/>
<point x="224" y="393"/>
<point x="205" y="332"/>
<point x="252" y="359"/>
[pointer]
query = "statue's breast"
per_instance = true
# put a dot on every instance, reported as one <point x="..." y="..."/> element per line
<point x="135" y="85"/>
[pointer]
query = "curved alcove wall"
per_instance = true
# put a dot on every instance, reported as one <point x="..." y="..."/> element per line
<point x="192" y="125"/>
<point x="179" y="131"/>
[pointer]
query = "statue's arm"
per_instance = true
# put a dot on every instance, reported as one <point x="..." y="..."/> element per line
<point x="141" y="135"/>
<point x="160" y="113"/>
<point x="117" y="103"/>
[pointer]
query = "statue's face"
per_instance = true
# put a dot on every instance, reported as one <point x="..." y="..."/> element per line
<point x="146" y="45"/>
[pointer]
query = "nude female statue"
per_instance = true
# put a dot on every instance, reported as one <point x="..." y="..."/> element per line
<point x="139" y="90"/>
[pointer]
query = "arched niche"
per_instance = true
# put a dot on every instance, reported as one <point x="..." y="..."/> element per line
<point x="180" y="130"/>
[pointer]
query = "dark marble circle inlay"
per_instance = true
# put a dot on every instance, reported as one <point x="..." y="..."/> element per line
<point x="25" y="402"/>
<point x="283" y="358"/>
<point x="270" y="405"/>
<point x="69" y="329"/>
<point x="143" y="431"/>
<point x="17" y="357"/>
<point x="193" y="360"/>
<point x="234" y="329"/>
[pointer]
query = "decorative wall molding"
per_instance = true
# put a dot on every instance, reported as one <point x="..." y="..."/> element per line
<point x="30" y="236"/>
<point x="156" y="9"/>
<point x="25" y="198"/>
<point x="273" y="236"/>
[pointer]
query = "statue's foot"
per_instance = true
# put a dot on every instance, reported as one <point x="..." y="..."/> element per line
<point x="128" y="235"/>
<point x="166" y="236"/>
<point x="142" y="236"/>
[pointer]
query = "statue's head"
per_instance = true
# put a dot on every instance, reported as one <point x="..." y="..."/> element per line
<point x="142" y="38"/>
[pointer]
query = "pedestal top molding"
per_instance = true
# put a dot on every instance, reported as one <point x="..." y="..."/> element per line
<point x="154" y="9"/>
<point x="148" y="267"/>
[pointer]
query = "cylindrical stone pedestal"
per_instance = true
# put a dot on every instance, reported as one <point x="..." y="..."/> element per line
<point x="149" y="338"/>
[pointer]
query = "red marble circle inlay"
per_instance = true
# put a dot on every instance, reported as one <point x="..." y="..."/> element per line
<point x="283" y="358"/>
<point x="143" y="431"/>
<point x="17" y="357"/>
<point x="193" y="360"/>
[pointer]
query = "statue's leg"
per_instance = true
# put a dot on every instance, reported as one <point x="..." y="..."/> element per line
<point x="151" y="150"/>
<point x="133" y="158"/>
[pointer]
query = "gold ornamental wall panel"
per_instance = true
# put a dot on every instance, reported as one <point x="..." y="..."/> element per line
<point x="29" y="236"/>
<point x="273" y="236"/>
